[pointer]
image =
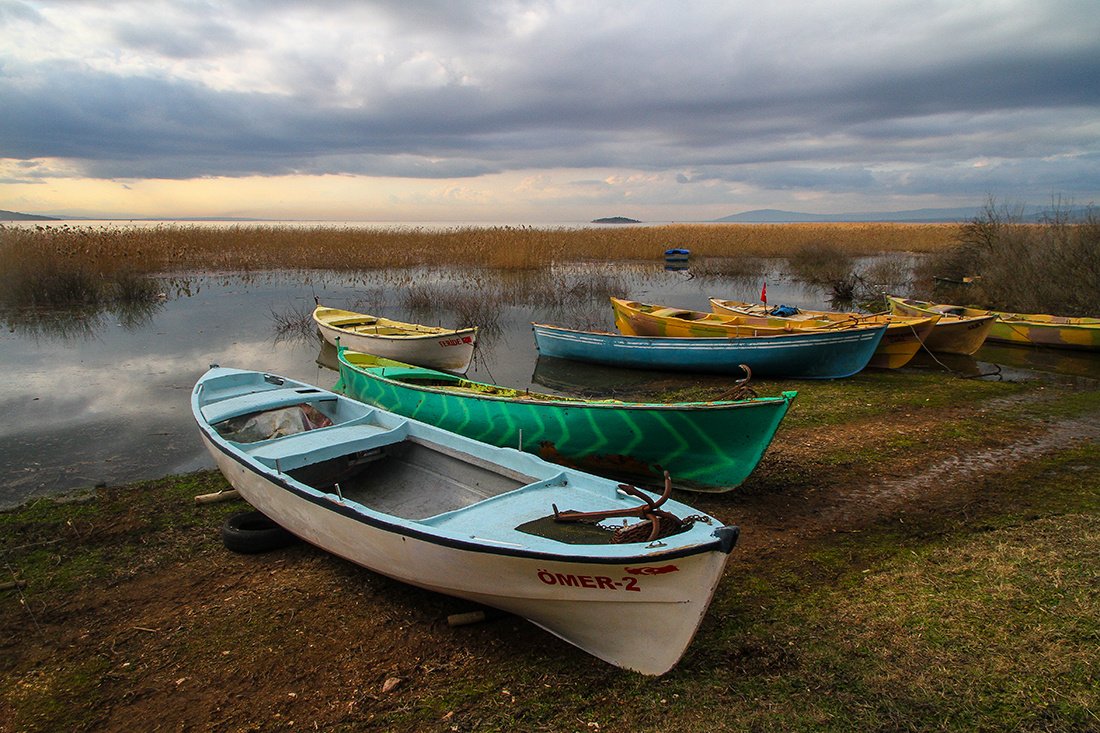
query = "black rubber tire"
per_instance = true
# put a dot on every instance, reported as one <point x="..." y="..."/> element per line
<point x="252" y="532"/>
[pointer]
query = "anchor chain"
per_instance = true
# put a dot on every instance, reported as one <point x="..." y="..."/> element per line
<point x="656" y="523"/>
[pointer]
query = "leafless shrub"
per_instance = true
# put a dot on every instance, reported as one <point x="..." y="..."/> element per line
<point x="1049" y="266"/>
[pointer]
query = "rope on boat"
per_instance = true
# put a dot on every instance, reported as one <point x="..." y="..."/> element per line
<point x="656" y="523"/>
<point x="946" y="368"/>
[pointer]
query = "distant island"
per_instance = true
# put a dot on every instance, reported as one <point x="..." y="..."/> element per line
<point x="16" y="216"/>
<point x="616" y="220"/>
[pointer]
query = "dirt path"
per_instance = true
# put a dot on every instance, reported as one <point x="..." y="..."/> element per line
<point x="926" y="480"/>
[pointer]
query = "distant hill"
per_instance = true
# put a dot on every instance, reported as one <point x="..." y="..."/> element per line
<point x="775" y="216"/>
<point x="914" y="216"/>
<point x="16" y="216"/>
<point x="616" y="220"/>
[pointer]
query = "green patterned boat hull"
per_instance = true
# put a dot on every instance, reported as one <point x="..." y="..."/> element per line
<point x="705" y="446"/>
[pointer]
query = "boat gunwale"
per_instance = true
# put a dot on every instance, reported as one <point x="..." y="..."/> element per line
<point x="555" y="401"/>
<point x="858" y="318"/>
<point x="1006" y="317"/>
<point x="860" y="330"/>
<point x="627" y="308"/>
<point x="415" y="331"/>
<point x="407" y="528"/>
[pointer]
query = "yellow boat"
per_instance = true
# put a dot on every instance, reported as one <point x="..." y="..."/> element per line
<point x="952" y="334"/>
<point x="899" y="344"/>
<point x="644" y="319"/>
<point x="1022" y="329"/>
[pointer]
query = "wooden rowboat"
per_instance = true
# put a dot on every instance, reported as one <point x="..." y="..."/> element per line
<point x="706" y="446"/>
<point x="645" y="319"/>
<point x="1022" y="329"/>
<point x="952" y="334"/>
<point x="427" y="346"/>
<point x="900" y="343"/>
<point x="492" y="525"/>
<point x="808" y="354"/>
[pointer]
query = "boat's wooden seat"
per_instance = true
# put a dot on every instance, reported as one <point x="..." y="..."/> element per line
<point x="487" y="514"/>
<point x="354" y="323"/>
<point x="314" y="446"/>
<point x="272" y="399"/>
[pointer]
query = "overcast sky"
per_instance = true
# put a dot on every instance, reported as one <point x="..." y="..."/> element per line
<point x="542" y="111"/>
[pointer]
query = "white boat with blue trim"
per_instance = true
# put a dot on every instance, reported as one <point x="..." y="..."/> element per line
<point x="621" y="573"/>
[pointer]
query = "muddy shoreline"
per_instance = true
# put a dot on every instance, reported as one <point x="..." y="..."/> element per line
<point x="133" y="609"/>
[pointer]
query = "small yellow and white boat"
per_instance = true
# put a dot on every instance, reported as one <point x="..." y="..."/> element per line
<point x="425" y="346"/>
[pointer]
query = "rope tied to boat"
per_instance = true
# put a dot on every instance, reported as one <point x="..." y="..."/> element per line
<point x="656" y="522"/>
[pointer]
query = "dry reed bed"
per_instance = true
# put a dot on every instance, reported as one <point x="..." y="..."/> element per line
<point x="172" y="248"/>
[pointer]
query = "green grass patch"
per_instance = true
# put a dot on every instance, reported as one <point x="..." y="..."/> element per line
<point x="66" y="542"/>
<point x="874" y="392"/>
<point x="977" y="611"/>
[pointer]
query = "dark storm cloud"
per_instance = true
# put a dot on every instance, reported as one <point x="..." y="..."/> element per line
<point x="446" y="89"/>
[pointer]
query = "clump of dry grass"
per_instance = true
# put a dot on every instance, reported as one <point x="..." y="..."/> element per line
<point x="820" y="263"/>
<point x="294" y="324"/>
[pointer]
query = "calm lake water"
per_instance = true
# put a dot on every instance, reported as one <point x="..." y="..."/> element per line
<point x="104" y="397"/>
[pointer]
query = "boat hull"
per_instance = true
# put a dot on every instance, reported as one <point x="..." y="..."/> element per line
<point x="900" y="343"/>
<point x="808" y="355"/>
<point x="1022" y="329"/>
<point x="434" y="348"/>
<point x="705" y="446"/>
<point x="635" y="605"/>
<point x="592" y="605"/>
<point x="952" y="334"/>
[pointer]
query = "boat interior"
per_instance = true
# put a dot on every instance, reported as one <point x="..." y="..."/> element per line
<point x="355" y="455"/>
<point x="419" y="377"/>
<point x="358" y="458"/>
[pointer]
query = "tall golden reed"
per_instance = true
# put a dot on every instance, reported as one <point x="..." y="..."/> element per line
<point x="188" y="248"/>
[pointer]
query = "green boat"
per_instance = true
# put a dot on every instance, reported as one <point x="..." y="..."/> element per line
<point x="705" y="446"/>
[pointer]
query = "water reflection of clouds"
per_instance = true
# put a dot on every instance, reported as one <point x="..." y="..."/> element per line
<point x="115" y="407"/>
<point x="84" y="388"/>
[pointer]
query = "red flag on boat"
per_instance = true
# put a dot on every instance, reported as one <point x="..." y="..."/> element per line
<point x="764" y="294"/>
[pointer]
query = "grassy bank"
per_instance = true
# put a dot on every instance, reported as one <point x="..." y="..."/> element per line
<point x="872" y="590"/>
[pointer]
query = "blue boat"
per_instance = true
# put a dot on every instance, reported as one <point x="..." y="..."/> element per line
<point x="825" y="354"/>
<point x="621" y="573"/>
